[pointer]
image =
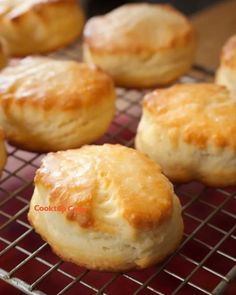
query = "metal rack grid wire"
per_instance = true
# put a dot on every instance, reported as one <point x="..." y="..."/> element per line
<point x="204" y="263"/>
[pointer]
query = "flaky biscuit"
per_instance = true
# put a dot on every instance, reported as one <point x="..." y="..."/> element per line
<point x="140" y="45"/>
<point x="3" y="155"/>
<point x="51" y="105"/>
<point x="131" y="217"/>
<point x="39" y="26"/>
<point x="226" y="74"/>
<point x="190" y="130"/>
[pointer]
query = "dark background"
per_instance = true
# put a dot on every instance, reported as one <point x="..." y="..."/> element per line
<point x="188" y="7"/>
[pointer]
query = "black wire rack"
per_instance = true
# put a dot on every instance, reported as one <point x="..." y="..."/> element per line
<point x="204" y="263"/>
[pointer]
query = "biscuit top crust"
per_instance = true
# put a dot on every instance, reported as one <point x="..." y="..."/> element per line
<point x="53" y="84"/>
<point x="135" y="28"/>
<point x="228" y="56"/>
<point x="199" y="114"/>
<point x="10" y="9"/>
<point x="114" y="183"/>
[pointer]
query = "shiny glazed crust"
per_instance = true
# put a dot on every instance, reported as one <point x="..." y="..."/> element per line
<point x="190" y="130"/>
<point x="140" y="45"/>
<point x="130" y="221"/>
<point x="39" y="26"/>
<point x="49" y="105"/>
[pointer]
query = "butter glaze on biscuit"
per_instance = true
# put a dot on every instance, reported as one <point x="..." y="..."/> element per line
<point x="141" y="45"/>
<point x="39" y="26"/>
<point x="190" y="130"/>
<point x="132" y="217"/>
<point x="51" y="105"/>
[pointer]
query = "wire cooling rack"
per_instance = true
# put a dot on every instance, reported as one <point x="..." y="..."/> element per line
<point x="203" y="264"/>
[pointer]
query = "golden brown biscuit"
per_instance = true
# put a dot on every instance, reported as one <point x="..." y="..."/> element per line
<point x="141" y="45"/>
<point x="226" y="74"/>
<point x="51" y="105"/>
<point x="190" y="130"/>
<point x="3" y="155"/>
<point x="39" y="26"/>
<point x="3" y="53"/>
<point x="120" y="212"/>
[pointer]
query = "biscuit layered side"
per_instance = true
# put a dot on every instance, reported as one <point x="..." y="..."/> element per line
<point x="140" y="45"/>
<point x="50" y="105"/>
<point x="131" y="217"/>
<point x="39" y="26"/>
<point x="226" y="74"/>
<point x="190" y="130"/>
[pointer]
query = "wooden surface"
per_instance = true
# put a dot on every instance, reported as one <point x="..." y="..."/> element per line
<point x="214" y="25"/>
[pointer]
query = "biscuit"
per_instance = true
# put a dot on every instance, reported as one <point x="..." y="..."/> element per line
<point x="3" y="53"/>
<point x="226" y="74"/>
<point x="3" y="155"/>
<point x="51" y="105"/>
<point x="39" y="26"/>
<point x="120" y="212"/>
<point x="141" y="45"/>
<point x="190" y="130"/>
